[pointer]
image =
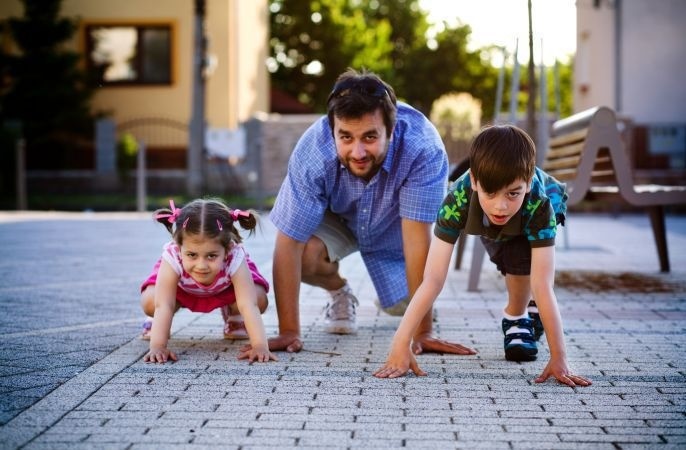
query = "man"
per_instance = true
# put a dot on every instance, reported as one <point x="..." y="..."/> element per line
<point x="368" y="176"/>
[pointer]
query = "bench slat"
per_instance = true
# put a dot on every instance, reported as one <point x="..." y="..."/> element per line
<point x="568" y="138"/>
<point x="599" y="176"/>
<point x="603" y="161"/>
<point x="571" y="162"/>
<point x="567" y="150"/>
<point x="563" y="174"/>
<point x="587" y="153"/>
<point x="568" y="166"/>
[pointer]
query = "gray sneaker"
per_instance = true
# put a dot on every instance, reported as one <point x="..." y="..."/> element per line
<point x="339" y="315"/>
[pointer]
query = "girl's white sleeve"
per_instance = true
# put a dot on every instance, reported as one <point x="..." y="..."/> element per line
<point x="236" y="257"/>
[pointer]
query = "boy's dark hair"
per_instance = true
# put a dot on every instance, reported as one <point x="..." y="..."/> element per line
<point x="207" y="217"/>
<point x="356" y="94"/>
<point x="500" y="155"/>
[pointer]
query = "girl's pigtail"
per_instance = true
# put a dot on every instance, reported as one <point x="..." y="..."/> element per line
<point x="161" y="215"/>
<point x="168" y="216"/>
<point x="246" y="219"/>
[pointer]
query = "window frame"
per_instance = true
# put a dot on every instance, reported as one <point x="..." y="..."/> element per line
<point x="139" y="26"/>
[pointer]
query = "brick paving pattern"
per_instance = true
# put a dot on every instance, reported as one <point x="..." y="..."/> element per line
<point x="72" y="375"/>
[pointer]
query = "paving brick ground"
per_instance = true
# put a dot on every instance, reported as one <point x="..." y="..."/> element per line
<point x="72" y="377"/>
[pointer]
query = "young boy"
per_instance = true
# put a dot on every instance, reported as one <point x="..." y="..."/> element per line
<point x="515" y="208"/>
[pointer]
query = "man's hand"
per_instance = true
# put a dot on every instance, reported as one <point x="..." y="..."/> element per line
<point x="289" y="342"/>
<point x="425" y="343"/>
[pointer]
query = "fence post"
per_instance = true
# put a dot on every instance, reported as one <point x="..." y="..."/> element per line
<point x="141" y="195"/>
<point x="20" y="155"/>
<point x="105" y="147"/>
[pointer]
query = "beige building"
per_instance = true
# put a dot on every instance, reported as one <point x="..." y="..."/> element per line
<point x="145" y="54"/>
<point x="148" y="46"/>
<point x="631" y="56"/>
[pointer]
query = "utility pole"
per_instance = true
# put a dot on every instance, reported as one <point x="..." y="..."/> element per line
<point x="514" y="89"/>
<point x="531" y="104"/>
<point x="196" y="145"/>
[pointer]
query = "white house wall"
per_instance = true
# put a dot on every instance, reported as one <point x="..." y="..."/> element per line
<point x="631" y="56"/>
<point x="653" y="60"/>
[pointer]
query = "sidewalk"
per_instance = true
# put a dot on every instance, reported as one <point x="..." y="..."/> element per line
<point x="72" y="376"/>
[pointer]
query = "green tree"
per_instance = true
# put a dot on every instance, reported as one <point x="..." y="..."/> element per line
<point x="312" y="42"/>
<point x="44" y="87"/>
<point x="565" y="80"/>
<point x="565" y="73"/>
<point x="449" y="67"/>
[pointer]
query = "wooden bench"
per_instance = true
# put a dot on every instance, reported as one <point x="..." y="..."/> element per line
<point x="585" y="151"/>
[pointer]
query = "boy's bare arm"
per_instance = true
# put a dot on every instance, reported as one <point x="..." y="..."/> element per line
<point x="542" y="282"/>
<point x="401" y="358"/>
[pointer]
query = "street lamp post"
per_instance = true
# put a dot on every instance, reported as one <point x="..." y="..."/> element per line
<point x="531" y="103"/>
<point x="196" y="145"/>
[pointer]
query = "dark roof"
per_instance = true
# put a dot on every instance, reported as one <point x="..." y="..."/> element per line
<point x="284" y="103"/>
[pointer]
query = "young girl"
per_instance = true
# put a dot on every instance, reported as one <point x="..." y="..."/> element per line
<point x="205" y="267"/>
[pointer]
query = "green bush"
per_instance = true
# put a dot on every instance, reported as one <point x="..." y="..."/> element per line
<point x="127" y="153"/>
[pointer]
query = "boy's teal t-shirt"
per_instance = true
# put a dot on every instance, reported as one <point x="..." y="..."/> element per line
<point x="543" y="208"/>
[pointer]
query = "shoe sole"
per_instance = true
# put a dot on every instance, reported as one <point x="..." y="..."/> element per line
<point x="340" y="327"/>
<point x="520" y="354"/>
<point x="340" y="330"/>
<point x="236" y="336"/>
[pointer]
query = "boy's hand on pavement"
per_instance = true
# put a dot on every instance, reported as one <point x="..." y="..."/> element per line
<point x="560" y="371"/>
<point x="398" y="364"/>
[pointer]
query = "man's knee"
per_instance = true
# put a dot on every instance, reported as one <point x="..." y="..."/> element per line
<point x="397" y="309"/>
<point x="315" y="257"/>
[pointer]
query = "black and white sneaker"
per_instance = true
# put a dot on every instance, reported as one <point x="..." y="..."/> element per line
<point x="536" y="320"/>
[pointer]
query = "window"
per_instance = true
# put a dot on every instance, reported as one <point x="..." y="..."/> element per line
<point x="130" y="54"/>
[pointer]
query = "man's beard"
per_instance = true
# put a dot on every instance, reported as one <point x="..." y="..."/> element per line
<point x="374" y="164"/>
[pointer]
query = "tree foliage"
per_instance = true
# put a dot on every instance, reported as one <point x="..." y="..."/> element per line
<point x="312" y="42"/>
<point x="44" y="87"/>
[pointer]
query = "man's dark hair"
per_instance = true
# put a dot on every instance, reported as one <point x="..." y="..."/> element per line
<point x="358" y="93"/>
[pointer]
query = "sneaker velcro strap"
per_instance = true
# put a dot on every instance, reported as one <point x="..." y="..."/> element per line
<point x="524" y="329"/>
<point x="524" y="337"/>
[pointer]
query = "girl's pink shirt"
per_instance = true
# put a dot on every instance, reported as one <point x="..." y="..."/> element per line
<point x="172" y="255"/>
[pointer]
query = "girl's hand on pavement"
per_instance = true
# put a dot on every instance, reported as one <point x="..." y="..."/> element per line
<point x="259" y="355"/>
<point x="160" y="355"/>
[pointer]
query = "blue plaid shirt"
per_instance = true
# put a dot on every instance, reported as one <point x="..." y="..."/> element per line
<point x="411" y="185"/>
